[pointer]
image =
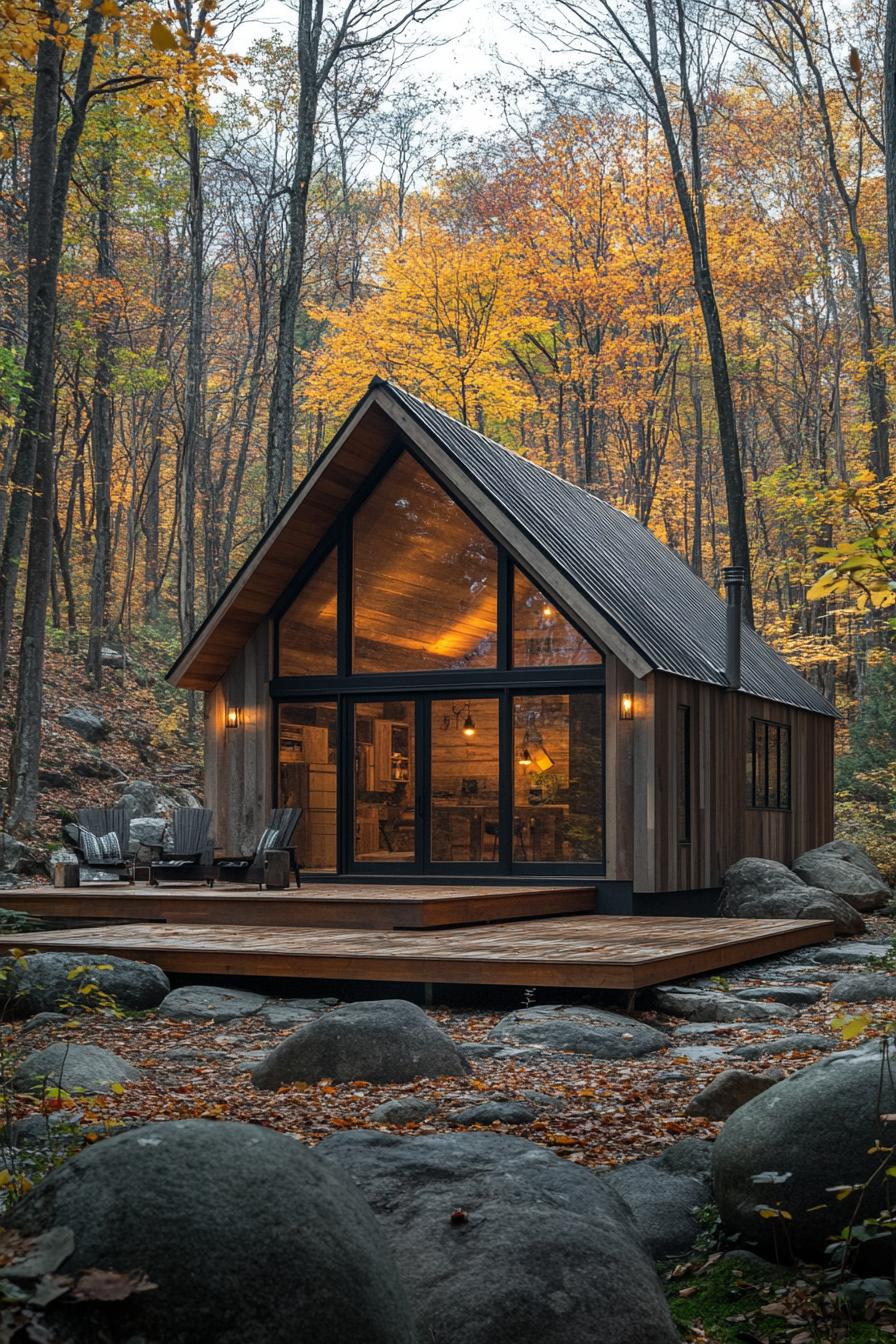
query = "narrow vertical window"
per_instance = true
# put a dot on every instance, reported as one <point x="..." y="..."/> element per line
<point x="768" y="765"/>
<point x="683" y="774"/>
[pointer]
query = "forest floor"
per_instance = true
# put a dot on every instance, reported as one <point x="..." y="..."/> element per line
<point x="150" y="734"/>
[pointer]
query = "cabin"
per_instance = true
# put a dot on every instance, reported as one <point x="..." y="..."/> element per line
<point x="464" y="668"/>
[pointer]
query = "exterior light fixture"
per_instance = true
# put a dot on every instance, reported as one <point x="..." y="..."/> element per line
<point x="469" y="723"/>
<point x="547" y="611"/>
<point x="626" y="706"/>
<point x="233" y="717"/>
<point x="525" y="756"/>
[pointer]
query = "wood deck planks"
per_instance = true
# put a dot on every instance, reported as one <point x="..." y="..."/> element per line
<point x="347" y="905"/>
<point x="591" y="951"/>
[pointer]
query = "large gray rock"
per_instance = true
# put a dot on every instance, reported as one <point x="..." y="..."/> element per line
<point x="147" y="831"/>
<point x="494" y="1112"/>
<point x="250" y="1237"/>
<point x="385" y="1041"/>
<point x="502" y="1242"/>
<point x="845" y="849"/>
<point x="841" y="954"/>
<point x="663" y="1203"/>
<point x="78" y="1069"/>
<point x="784" y="1045"/>
<point x="730" y="1090"/>
<point x="756" y="877"/>
<point x="715" y="1005"/>
<point x="816" y="1131"/>
<point x="795" y="996"/>
<point x="791" y="901"/>
<point x="16" y="857"/>
<point x="209" y="1003"/>
<point x="85" y="722"/>
<point x="402" y="1111"/>
<point x="143" y="799"/>
<point x="822" y="868"/>
<point x="47" y="982"/>
<point x="581" y="1031"/>
<point x="864" y="987"/>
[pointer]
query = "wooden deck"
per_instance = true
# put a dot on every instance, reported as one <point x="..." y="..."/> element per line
<point x="352" y="905"/>
<point x="587" y="952"/>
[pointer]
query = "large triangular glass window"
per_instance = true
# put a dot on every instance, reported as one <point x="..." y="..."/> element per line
<point x="308" y="629"/>
<point x="425" y="580"/>
<point x="542" y="636"/>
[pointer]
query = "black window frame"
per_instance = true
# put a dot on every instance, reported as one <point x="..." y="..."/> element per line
<point x="767" y="736"/>
<point x="683" y="776"/>
<point x="505" y="679"/>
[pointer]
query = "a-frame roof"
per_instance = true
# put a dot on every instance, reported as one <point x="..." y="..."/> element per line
<point x="626" y="589"/>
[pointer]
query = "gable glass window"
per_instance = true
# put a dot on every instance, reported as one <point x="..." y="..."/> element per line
<point x="308" y="629"/>
<point x="438" y="713"/>
<point x="542" y="636"/>
<point x="425" y="580"/>
<point x="768" y="765"/>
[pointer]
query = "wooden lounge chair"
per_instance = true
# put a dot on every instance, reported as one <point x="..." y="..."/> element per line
<point x="190" y="856"/>
<point x="278" y="835"/>
<point x="103" y="843"/>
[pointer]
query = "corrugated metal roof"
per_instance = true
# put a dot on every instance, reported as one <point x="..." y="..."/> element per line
<point x="674" y="619"/>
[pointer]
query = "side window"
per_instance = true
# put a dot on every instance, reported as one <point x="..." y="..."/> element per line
<point x="768" y="765"/>
<point x="683" y="774"/>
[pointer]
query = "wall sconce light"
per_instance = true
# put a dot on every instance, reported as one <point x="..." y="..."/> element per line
<point x="469" y="723"/>
<point x="234" y="716"/>
<point x="525" y="757"/>
<point x="626" y="706"/>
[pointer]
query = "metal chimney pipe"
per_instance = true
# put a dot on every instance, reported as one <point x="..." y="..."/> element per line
<point x="734" y="585"/>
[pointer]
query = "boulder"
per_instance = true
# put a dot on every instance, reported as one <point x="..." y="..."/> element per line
<point x="821" y="868"/>
<point x="142" y="799"/>
<point x="209" y="1003"/>
<point x="784" y="1045"/>
<point x="57" y="1129"/>
<point x="494" y="1112"/>
<point x="403" y="1111"/>
<point x="842" y="954"/>
<point x="749" y="878"/>
<point x="289" y="1012"/>
<point x="48" y="778"/>
<point x="845" y="849"/>
<point x="792" y="901"/>
<point x="41" y="1020"/>
<point x="385" y="1041"/>
<point x="795" y="996"/>
<point x="17" y="857"/>
<point x="77" y="1069"/>
<point x="110" y="657"/>
<point x="580" y="1031"/>
<point x="85" y="722"/>
<point x="50" y="982"/>
<point x="730" y="1090"/>
<point x="198" y="1206"/>
<point x="96" y="767"/>
<point x="864" y="987"/>
<point x="689" y="1157"/>
<point x="796" y="1144"/>
<point x="715" y="1005"/>
<point x="502" y="1242"/>
<point x="663" y="1204"/>
<point x="146" y="831"/>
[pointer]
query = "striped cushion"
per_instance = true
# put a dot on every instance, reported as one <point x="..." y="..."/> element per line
<point x="99" y="848"/>
<point x="267" y="840"/>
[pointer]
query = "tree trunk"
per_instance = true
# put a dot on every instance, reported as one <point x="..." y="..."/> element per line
<point x="890" y="145"/>
<point x="101" y="434"/>
<point x="193" y="443"/>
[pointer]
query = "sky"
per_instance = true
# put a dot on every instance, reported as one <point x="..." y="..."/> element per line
<point x="470" y="36"/>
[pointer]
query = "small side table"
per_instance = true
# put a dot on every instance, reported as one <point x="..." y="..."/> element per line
<point x="66" y="875"/>
<point x="276" y="869"/>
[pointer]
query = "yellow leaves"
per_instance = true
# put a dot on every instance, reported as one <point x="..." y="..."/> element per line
<point x="851" y="1025"/>
<point x="109" y="9"/>
<point x="161" y="36"/>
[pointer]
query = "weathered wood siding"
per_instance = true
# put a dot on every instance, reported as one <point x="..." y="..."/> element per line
<point x="238" y="761"/>
<point x="723" y="827"/>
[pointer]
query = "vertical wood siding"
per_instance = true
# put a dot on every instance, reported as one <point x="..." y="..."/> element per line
<point x="238" y="761"/>
<point x="723" y="827"/>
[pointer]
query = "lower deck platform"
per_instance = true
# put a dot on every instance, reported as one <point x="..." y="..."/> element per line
<point x="584" y="952"/>
<point x="342" y="905"/>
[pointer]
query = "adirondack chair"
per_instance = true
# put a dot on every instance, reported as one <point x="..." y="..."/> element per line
<point x="190" y="856"/>
<point x="96" y="852"/>
<point x="279" y="834"/>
